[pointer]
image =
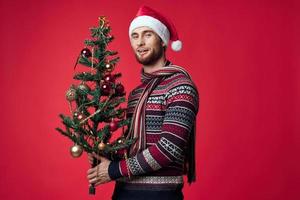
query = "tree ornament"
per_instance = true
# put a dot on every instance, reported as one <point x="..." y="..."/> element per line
<point x="79" y="116"/>
<point x="75" y="114"/>
<point x="109" y="78"/>
<point x="113" y="125"/>
<point x="105" y="89"/>
<point x="109" y="67"/>
<point x="119" y="90"/>
<point x="101" y="146"/>
<point x="71" y="94"/>
<point x="121" y="141"/>
<point x="86" y="53"/>
<point x="76" y="151"/>
<point x="84" y="88"/>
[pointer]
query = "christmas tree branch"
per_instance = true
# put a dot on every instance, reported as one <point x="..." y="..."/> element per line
<point x="97" y="111"/>
<point x="86" y="76"/>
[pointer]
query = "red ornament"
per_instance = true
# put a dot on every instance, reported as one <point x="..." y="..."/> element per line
<point x="105" y="89"/>
<point x="109" y="78"/>
<point x="86" y="53"/>
<point x="79" y="116"/>
<point x="113" y="125"/>
<point x="109" y="67"/>
<point x="119" y="90"/>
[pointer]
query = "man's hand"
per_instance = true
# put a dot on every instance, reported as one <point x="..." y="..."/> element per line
<point x="99" y="174"/>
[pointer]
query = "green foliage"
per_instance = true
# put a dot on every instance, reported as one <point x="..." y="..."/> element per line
<point x="92" y="109"/>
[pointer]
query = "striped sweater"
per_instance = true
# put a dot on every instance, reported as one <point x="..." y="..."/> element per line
<point x="171" y="110"/>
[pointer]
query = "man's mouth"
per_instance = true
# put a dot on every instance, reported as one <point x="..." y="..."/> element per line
<point x="142" y="51"/>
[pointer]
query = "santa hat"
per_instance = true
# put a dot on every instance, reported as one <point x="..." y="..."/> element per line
<point x="159" y="24"/>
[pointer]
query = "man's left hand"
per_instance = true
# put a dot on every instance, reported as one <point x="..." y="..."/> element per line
<point x="99" y="174"/>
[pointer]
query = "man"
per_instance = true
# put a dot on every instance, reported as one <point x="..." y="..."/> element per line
<point x="163" y="110"/>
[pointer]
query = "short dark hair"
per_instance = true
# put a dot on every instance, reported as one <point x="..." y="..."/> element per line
<point x="161" y="41"/>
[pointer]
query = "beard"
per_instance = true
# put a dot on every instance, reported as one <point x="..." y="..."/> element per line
<point x="152" y="58"/>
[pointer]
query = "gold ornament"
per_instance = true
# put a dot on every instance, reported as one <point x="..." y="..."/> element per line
<point x="101" y="146"/>
<point x="84" y="87"/>
<point x="109" y="67"/>
<point x="76" y="151"/>
<point x="71" y="94"/>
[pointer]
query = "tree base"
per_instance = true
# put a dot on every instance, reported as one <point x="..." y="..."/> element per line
<point x="92" y="190"/>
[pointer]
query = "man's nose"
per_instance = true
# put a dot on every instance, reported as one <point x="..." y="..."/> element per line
<point x="140" y="41"/>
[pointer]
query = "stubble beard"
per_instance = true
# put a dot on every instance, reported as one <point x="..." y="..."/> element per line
<point x="152" y="58"/>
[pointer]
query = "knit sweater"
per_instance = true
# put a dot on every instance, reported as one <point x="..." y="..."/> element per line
<point x="171" y="110"/>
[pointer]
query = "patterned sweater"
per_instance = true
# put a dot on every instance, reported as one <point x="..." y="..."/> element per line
<point x="171" y="110"/>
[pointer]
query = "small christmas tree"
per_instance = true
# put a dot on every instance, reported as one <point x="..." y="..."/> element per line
<point x="95" y="102"/>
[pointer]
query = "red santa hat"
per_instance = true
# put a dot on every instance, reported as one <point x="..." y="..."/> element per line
<point x="164" y="28"/>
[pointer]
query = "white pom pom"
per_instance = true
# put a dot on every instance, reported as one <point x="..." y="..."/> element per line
<point x="176" y="45"/>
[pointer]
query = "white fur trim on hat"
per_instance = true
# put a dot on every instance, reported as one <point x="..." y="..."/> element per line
<point x="158" y="27"/>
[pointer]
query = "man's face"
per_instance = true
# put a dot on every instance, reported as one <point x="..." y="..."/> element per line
<point x="147" y="45"/>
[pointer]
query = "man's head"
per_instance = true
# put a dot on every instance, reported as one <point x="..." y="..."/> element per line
<point x="147" y="45"/>
<point x="160" y="25"/>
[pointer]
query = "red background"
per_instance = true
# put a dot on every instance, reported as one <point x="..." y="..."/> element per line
<point x="241" y="54"/>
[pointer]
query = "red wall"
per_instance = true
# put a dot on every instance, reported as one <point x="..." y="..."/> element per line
<point x="241" y="54"/>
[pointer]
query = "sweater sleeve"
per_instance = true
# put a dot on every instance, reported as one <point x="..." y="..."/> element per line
<point x="181" y="110"/>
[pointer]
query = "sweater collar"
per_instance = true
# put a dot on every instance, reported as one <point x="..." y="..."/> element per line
<point x="146" y="77"/>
